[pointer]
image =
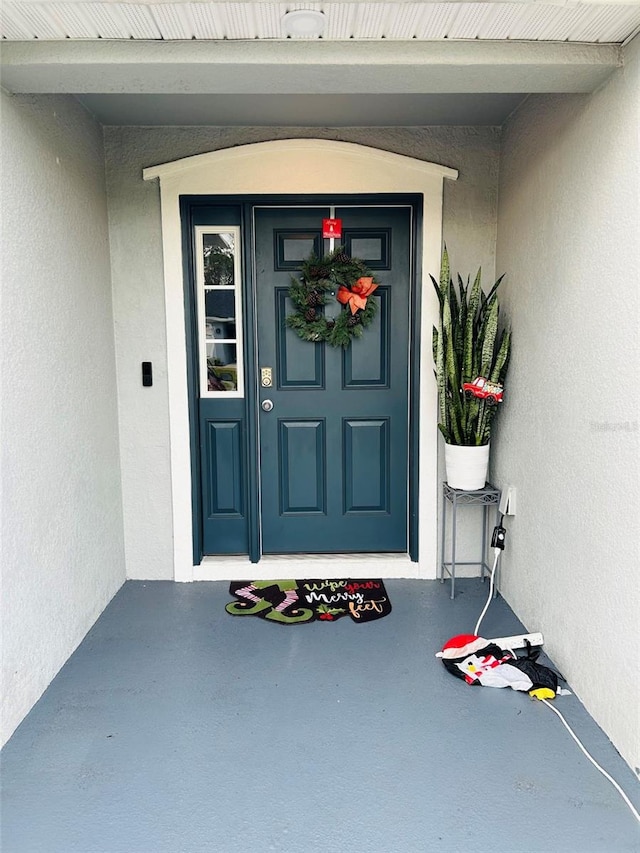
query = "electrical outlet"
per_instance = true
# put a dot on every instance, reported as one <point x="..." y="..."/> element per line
<point x="511" y="501"/>
<point x="508" y="501"/>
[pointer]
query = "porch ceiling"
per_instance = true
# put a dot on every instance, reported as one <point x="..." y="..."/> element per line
<point x="537" y="20"/>
<point x="379" y="63"/>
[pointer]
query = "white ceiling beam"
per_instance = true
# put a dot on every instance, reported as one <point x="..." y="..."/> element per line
<point x="289" y="67"/>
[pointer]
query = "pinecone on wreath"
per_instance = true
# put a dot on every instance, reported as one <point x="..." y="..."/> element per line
<point x="310" y="315"/>
<point x="314" y="298"/>
<point x="353" y="321"/>
<point x="342" y="258"/>
<point x="330" y="324"/>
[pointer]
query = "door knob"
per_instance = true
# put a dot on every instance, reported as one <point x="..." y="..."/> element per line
<point x="267" y="405"/>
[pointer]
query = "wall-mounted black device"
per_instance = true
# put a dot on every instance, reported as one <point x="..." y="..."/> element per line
<point x="147" y="374"/>
<point x="498" y="537"/>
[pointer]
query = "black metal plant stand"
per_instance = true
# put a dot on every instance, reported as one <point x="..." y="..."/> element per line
<point x="486" y="497"/>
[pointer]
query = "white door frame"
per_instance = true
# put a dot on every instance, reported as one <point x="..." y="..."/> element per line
<point x="293" y="167"/>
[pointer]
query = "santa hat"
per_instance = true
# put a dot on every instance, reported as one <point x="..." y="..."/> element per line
<point x="461" y="646"/>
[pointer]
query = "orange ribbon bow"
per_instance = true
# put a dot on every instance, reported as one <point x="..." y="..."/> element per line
<point x="356" y="298"/>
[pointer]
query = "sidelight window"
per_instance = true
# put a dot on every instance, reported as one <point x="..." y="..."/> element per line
<point x="219" y="301"/>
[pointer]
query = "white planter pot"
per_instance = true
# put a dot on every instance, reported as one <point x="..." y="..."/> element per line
<point x="466" y="466"/>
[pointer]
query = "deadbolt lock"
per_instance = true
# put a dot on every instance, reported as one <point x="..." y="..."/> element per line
<point x="266" y="377"/>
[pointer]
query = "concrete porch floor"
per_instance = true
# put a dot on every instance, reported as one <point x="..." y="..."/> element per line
<point x="176" y="728"/>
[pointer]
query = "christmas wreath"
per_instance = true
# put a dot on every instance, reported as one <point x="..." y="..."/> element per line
<point x="346" y="279"/>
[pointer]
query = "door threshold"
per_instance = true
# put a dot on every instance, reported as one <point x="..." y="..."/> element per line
<point x="300" y="566"/>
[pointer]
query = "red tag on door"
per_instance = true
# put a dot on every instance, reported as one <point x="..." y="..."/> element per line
<point x="331" y="228"/>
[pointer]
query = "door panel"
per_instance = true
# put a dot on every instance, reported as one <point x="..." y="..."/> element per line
<point x="366" y="465"/>
<point x="302" y="464"/>
<point x="333" y="450"/>
<point x="367" y="364"/>
<point x="223" y="451"/>
<point x="299" y="365"/>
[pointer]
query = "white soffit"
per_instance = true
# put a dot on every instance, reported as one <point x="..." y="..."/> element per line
<point x="556" y="20"/>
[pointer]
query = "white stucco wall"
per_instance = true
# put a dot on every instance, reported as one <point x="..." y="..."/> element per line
<point x="569" y="238"/>
<point x="62" y="539"/>
<point x="470" y="210"/>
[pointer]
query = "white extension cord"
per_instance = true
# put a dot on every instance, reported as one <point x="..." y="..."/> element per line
<point x="634" y="811"/>
<point x="491" y="585"/>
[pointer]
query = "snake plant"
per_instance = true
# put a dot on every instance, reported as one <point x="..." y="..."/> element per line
<point x="466" y="345"/>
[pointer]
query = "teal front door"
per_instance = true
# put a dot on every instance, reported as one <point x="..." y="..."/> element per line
<point x="333" y="424"/>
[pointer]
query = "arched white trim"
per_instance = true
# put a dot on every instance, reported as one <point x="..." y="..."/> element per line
<point x="294" y="147"/>
<point x="292" y="167"/>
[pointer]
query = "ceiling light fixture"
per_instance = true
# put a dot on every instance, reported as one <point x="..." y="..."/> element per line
<point x="304" y="23"/>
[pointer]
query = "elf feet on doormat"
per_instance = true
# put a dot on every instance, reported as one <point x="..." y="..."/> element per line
<point x="290" y="602"/>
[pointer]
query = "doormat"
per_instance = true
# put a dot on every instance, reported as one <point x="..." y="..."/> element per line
<point x="291" y="602"/>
